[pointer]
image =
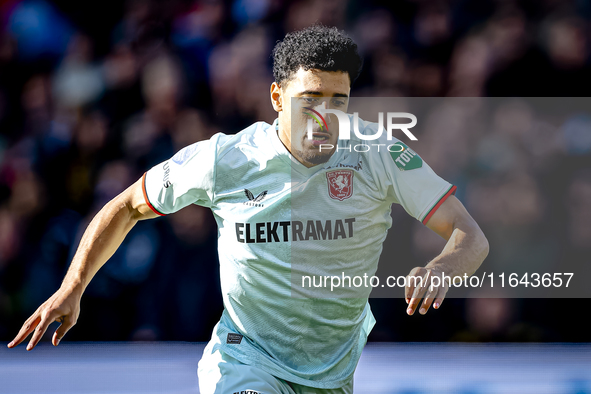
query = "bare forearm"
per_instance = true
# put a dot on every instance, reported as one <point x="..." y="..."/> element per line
<point x="465" y="250"/>
<point x="101" y="239"/>
<point x="463" y="253"/>
<point x="104" y="235"/>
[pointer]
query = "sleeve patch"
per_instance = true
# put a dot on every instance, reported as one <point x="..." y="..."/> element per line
<point x="182" y="155"/>
<point x="404" y="157"/>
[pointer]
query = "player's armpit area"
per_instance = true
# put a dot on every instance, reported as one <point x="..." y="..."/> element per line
<point x="451" y="214"/>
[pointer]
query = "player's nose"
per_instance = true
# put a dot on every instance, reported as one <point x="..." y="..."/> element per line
<point x="327" y="117"/>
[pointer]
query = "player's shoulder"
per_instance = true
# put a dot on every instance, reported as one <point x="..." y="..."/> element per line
<point x="252" y="137"/>
<point x="209" y="152"/>
<point x="371" y="143"/>
<point x="370" y="129"/>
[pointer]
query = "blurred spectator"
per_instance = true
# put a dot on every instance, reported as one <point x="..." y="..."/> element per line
<point x="77" y="82"/>
<point x="470" y="67"/>
<point x="579" y="195"/>
<point x="39" y="29"/>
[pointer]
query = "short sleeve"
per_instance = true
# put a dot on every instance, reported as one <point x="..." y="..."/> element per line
<point x="186" y="178"/>
<point x="408" y="179"/>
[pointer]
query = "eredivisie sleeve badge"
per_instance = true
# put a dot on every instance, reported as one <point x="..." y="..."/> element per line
<point x="340" y="184"/>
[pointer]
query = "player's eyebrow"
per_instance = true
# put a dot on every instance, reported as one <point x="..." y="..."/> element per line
<point x="316" y="93"/>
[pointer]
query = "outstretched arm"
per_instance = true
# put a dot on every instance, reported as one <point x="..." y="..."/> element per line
<point x="101" y="239"/>
<point x="465" y="250"/>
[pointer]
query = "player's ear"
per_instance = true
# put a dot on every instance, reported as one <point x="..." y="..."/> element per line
<point x="276" y="97"/>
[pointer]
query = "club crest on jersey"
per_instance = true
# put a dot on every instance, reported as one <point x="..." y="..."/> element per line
<point x="340" y="184"/>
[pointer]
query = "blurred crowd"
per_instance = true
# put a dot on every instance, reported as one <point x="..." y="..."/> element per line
<point x="93" y="94"/>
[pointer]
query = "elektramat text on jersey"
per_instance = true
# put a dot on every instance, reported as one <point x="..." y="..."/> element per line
<point x="264" y="232"/>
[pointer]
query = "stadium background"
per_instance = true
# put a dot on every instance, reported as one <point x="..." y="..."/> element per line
<point x="92" y="94"/>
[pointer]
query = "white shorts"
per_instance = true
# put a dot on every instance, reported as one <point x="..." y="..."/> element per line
<point x="221" y="374"/>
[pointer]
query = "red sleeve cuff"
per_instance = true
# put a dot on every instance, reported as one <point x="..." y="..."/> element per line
<point x="452" y="190"/>
<point x="146" y="197"/>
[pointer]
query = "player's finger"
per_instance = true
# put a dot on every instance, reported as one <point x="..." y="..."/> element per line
<point x="39" y="331"/>
<point x="413" y="304"/>
<point x="430" y="295"/>
<point x="412" y="282"/>
<point x="67" y="323"/>
<point x="418" y="293"/>
<point x="28" y="327"/>
<point x="440" y="297"/>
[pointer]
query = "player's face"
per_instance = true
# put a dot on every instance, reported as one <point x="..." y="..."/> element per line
<point x="312" y="90"/>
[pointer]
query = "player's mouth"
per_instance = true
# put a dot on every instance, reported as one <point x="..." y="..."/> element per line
<point x="319" y="138"/>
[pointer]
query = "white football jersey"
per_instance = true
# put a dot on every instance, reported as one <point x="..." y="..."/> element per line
<point x="278" y="220"/>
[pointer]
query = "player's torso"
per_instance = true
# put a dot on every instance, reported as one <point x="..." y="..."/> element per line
<point x="275" y="213"/>
<point x="278" y="221"/>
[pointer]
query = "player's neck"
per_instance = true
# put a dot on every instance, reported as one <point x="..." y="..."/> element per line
<point x="285" y="138"/>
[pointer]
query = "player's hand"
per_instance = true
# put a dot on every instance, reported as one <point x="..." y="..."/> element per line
<point x="423" y="289"/>
<point x="63" y="307"/>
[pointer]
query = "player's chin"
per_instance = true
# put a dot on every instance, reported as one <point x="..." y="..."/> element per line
<point x="318" y="155"/>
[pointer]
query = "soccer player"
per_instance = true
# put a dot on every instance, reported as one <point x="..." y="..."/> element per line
<point x="280" y="199"/>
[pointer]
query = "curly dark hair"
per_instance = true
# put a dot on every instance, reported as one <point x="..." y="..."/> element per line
<point x="316" y="47"/>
